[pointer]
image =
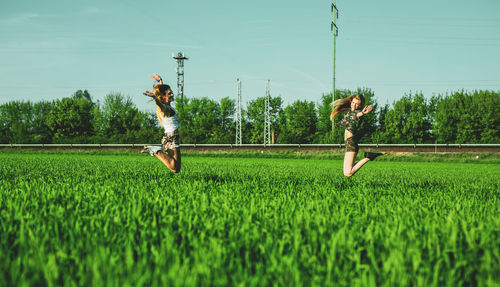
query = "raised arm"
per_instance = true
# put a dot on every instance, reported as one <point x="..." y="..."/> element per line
<point x="166" y="109"/>
<point x="157" y="78"/>
<point x="365" y="110"/>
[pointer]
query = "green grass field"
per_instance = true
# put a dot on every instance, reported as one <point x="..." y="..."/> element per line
<point x="125" y="220"/>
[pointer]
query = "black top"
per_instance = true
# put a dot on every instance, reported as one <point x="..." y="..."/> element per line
<point x="350" y="121"/>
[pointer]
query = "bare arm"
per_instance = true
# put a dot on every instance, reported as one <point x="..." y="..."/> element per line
<point x="166" y="109"/>
<point x="157" y="78"/>
<point x="365" y="110"/>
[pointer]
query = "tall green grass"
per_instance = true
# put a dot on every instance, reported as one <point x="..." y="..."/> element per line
<point x="464" y="157"/>
<point x="124" y="220"/>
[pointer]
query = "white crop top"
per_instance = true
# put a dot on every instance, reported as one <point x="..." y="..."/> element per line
<point x="170" y="124"/>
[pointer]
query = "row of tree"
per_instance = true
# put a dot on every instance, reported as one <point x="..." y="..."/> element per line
<point x="460" y="117"/>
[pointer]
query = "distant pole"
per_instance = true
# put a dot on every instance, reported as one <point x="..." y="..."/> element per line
<point x="180" y="73"/>
<point x="335" y="30"/>
<point x="238" y="116"/>
<point x="267" y="117"/>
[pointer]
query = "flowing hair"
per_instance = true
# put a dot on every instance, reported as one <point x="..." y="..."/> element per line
<point x="344" y="104"/>
<point x="160" y="92"/>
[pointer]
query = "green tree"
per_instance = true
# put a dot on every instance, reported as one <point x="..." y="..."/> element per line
<point x="149" y="130"/>
<point x="199" y="120"/>
<point x="488" y="103"/>
<point x="324" y="124"/>
<point x="256" y="117"/>
<point x="4" y="125"/>
<point x="82" y="95"/>
<point x="468" y="117"/>
<point x="299" y="123"/>
<point x="446" y="121"/>
<point x="15" y="121"/>
<point x="71" y="120"/>
<point x="379" y="136"/>
<point x="409" y="120"/>
<point x="227" y="110"/>
<point x="119" y="121"/>
<point x="325" y="134"/>
<point x="224" y="132"/>
<point x="40" y="132"/>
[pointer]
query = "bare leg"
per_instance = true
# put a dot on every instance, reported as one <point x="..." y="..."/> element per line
<point x="350" y="168"/>
<point x="171" y="158"/>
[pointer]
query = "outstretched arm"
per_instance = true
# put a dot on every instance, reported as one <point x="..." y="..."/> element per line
<point x="166" y="109"/>
<point x="365" y="110"/>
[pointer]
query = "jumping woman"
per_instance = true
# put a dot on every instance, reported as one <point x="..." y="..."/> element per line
<point x="169" y="153"/>
<point x="354" y="105"/>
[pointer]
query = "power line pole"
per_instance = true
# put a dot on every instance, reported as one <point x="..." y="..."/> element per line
<point x="267" y="120"/>
<point x="180" y="73"/>
<point x="335" y="30"/>
<point x="238" y="116"/>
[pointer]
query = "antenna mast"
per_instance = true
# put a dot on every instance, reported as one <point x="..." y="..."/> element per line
<point x="335" y="30"/>
<point x="267" y="120"/>
<point x="180" y="73"/>
<point x="238" y="116"/>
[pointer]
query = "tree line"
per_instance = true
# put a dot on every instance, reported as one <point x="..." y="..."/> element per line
<point x="458" y="117"/>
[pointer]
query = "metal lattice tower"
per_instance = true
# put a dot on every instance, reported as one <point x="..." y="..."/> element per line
<point x="335" y="30"/>
<point x="267" y="118"/>
<point x="180" y="73"/>
<point x="238" y="115"/>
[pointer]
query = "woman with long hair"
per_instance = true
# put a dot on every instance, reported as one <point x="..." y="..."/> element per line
<point x="169" y="153"/>
<point x="355" y="107"/>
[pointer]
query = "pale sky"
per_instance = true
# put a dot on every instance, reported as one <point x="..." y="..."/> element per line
<point x="50" y="49"/>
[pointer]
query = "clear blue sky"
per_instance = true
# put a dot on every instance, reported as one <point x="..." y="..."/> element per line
<point x="50" y="49"/>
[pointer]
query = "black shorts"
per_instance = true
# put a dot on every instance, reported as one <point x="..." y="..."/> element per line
<point x="351" y="145"/>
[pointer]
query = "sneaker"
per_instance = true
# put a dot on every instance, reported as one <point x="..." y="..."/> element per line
<point x="373" y="155"/>
<point x="152" y="150"/>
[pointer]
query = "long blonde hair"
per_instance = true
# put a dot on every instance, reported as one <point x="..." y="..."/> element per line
<point x="160" y="92"/>
<point x="344" y="104"/>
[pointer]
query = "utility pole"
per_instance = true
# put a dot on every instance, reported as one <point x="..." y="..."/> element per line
<point x="335" y="30"/>
<point x="180" y="73"/>
<point x="267" y="120"/>
<point x="238" y="116"/>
